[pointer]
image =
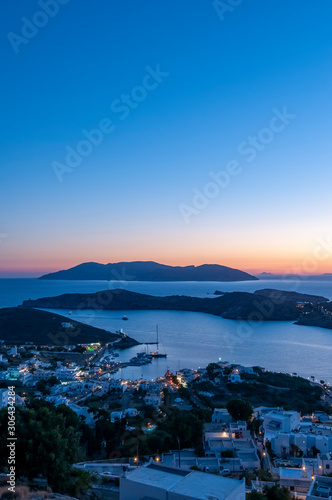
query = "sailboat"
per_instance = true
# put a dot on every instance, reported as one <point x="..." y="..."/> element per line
<point x="157" y="354"/>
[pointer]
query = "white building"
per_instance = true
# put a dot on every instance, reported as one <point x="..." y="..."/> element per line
<point x="153" y="399"/>
<point x="243" y="448"/>
<point x="67" y="373"/>
<point x="150" y="386"/>
<point x="57" y="400"/>
<point x="41" y="364"/>
<point x="320" y="416"/>
<point x="43" y="374"/>
<point x="82" y="411"/>
<point x="26" y="377"/>
<point x="117" y="385"/>
<point x="281" y="421"/>
<point x="284" y="444"/>
<point x="238" y="427"/>
<point x="186" y="376"/>
<point x="221" y="416"/>
<point x="167" y="483"/>
<point x="248" y="369"/>
<point x="116" y="415"/>
<point x="128" y="412"/>
<point x="131" y="412"/>
<point x="321" y="487"/>
<point x="298" y="481"/>
<point x="234" y="378"/>
<point x="260" y="411"/>
<point x="324" y="463"/>
<point x="12" y="351"/>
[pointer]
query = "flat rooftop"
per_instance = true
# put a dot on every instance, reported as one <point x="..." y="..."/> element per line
<point x="188" y="483"/>
<point x="168" y="470"/>
<point x="247" y="455"/>
<point x="321" y="487"/>
<point x="294" y="473"/>
<point x="159" y="477"/>
<point x="243" y="445"/>
<point x="199" y="485"/>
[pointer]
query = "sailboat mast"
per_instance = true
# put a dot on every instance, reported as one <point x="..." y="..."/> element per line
<point x="157" y="338"/>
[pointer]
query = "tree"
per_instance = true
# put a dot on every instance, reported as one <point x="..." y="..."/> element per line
<point x="210" y="370"/>
<point x="278" y="493"/>
<point x="49" y="443"/>
<point x="80" y="349"/>
<point x="240" y="409"/>
<point x="255" y="495"/>
<point x="195" y="467"/>
<point x="184" y="393"/>
<point x="166" y="397"/>
<point x="149" y="411"/>
<point x="261" y="474"/>
<point x="314" y="451"/>
<point x="53" y="381"/>
<point x="188" y="427"/>
<point x="274" y="493"/>
<point x="81" y="481"/>
<point x="255" y="425"/>
<point x="42" y="387"/>
<point x="295" y="451"/>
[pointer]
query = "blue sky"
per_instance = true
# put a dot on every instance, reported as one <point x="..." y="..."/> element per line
<point x="123" y="201"/>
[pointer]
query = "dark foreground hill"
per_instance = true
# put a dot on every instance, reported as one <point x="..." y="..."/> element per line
<point x="235" y="305"/>
<point x="20" y="324"/>
<point x="149" y="271"/>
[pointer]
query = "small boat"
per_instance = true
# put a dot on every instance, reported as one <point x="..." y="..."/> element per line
<point x="124" y="318"/>
<point x="140" y="359"/>
<point x="157" y="354"/>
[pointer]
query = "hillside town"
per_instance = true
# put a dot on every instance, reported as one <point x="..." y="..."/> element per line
<point x="240" y="443"/>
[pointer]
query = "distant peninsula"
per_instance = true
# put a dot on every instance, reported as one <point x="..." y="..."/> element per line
<point x="149" y="271"/>
<point x="262" y="305"/>
<point x="298" y="277"/>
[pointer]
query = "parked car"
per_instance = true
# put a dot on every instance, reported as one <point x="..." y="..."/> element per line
<point x="225" y="472"/>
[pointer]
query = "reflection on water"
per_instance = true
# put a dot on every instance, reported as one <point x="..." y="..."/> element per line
<point x="195" y="339"/>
